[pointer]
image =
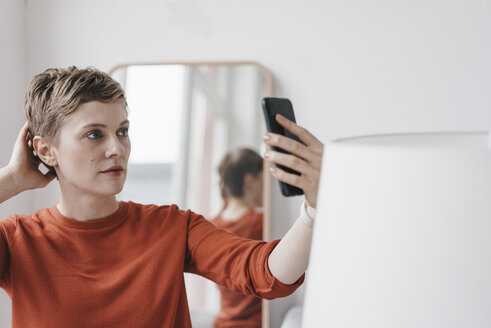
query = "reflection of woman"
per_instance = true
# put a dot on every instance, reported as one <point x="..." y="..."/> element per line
<point x="92" y="261"/>
<point x="241" y="185"/>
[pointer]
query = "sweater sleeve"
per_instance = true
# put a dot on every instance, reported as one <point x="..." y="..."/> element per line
<point x="240" y="264"/>
<point x="4" y="257"/>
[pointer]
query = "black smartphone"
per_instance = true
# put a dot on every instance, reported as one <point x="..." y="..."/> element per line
<point x="283" y="106"/>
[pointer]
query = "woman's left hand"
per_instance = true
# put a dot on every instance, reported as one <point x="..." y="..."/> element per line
<point x="305" y="157"/>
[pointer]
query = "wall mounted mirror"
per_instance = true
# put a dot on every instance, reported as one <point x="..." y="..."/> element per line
<point x="184" y="117"/>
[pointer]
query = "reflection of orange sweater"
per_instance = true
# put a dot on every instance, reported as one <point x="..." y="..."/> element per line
<point x="239" y="310"/>
<point x="125" y="270"/>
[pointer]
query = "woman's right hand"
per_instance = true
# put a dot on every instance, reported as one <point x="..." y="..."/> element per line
<point x="23" y="165"/>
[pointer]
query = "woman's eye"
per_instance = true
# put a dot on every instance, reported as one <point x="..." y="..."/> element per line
<point x="123" y="132"/>
<point x="94" y="135"/>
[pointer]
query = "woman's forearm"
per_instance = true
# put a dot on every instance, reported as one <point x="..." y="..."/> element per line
<point x="8" y="185"/>
<point x="290" y="258"/>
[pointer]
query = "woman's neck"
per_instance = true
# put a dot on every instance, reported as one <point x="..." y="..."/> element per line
<point x="88" y="207"/>
<point x="236" y="208"/>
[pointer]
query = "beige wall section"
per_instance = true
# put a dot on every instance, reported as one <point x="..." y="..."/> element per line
<point x="12" y="86"/>
<point x="351" y="67"/>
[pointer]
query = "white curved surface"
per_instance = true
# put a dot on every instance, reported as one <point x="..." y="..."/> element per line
<point x="403" y="235"/>
<point x="293" y="318"/>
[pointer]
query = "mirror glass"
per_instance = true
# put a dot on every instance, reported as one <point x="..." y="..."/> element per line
<point x="184" y="117"/>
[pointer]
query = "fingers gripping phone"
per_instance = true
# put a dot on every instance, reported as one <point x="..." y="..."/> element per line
<point x="283" y="106"/>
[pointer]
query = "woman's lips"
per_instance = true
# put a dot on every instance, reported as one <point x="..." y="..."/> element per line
<point x="114" y="171"/>
<point x="117" y="173"/>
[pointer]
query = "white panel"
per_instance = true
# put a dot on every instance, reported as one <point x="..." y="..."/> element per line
<point x="403" y="232"/>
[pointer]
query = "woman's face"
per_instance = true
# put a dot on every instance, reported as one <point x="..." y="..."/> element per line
<point x="92" y="149"/>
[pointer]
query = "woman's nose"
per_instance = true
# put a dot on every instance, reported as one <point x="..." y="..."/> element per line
<point x="115" y="148"/>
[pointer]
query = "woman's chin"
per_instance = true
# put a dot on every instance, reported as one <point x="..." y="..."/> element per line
<point x="109" y="190"/>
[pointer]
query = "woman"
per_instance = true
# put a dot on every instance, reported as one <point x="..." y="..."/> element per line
<point x="91" y="261"/>
<point x="241" y="186"/>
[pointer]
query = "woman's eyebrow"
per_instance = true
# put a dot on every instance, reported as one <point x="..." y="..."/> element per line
<point x="100" y="125"/>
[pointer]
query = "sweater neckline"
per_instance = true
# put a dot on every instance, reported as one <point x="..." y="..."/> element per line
<point x="239" y="219"/>
<point x="91" y="224"/>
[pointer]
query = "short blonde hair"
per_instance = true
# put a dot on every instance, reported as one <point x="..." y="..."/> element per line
<point x="56" y="93"/>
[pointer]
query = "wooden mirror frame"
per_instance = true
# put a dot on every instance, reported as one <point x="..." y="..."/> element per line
<point x="266" y="177"/>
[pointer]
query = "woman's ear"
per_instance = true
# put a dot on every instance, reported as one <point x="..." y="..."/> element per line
<point x="44" y="150"/>
<point x="248" y="181"/>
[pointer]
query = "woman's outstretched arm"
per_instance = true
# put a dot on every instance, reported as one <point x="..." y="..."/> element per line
<point x="22" y="171"/>
<point x="289" y="260"/>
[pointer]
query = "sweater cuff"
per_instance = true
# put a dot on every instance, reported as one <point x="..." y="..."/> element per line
<point x="273" y="288"/>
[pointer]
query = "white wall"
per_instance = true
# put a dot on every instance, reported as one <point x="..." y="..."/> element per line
<point x="350" y="67"/>
<point x="12" y="86"/>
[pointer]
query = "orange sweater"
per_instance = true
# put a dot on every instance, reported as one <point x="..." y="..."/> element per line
<point x="238" y="310"/>
<point x="125" y="270"/>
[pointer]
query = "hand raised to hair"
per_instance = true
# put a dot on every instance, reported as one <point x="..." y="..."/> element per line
<point x="23" y="165"/>
<point x="305" y="157"/>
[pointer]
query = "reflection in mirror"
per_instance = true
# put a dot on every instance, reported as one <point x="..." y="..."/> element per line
<point x="184" y="118"/>
<point x="241" y="187"/>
